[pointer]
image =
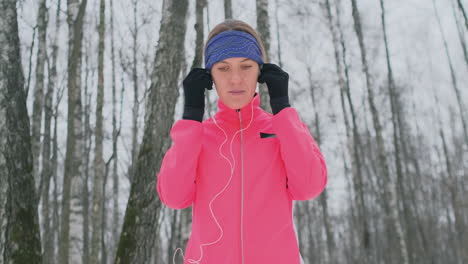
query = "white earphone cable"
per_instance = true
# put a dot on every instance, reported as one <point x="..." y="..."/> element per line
<point x="232" y="165"/>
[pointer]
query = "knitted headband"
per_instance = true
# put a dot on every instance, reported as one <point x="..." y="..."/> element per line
<point x="232" y="43"/>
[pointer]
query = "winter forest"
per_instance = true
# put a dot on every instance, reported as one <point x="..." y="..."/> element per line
<point x="89" y="91"/>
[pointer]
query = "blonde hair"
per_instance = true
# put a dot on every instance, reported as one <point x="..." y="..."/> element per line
<point x="234" y="24"/>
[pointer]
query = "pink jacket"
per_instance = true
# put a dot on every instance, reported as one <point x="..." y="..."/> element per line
<point x="242" y="197"/>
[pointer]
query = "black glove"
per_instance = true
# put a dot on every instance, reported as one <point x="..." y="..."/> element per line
<point x="277" y="83"/>
<point x="194" y="93"/>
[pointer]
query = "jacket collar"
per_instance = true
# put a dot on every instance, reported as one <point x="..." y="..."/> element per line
<point x="231" y="115"/>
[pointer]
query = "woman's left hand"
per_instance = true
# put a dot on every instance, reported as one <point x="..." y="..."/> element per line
<point x="275" y="78"/>
<point x="277" y="83"/>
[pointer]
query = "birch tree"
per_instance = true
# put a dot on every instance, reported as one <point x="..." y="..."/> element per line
<point x="135" y="246"/>
<point x="98" y="184"/>
<point x="462" y="10"/>
<point x="115" y="137"/>
<point x="136" y="89"/>
<point x="49" y="153"/>
<point x="263" y="28"/>
<point x="19" y="224"/>
<point x="354" y="146"/>
<point x="390" y="197"/>
<point x="453" y="76"/>
<point x="89" y="70"/>
<point x="227" y="9"/>
<point x="71" y="233"/>
<point x="42" y="20"/>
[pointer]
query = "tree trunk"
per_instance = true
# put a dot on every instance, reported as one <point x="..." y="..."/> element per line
<point x="392" y="221"/>
<point x="19" y="222"/>
<point x="451" y="185"/>
<point x="327" y="225"/>
<point x="72" y="205"/>
<point x="263" y="28"/>
<point x="136" y="102"/>
<point x="182" y="219"/>
<point x="42" y="19"/>
<point x="49" y="162"/>
<point x="399" y="146"/>
<point x="227" y="9"/>
<point x="103" y="213"/>
<point x="30" y="61"/>
<point x="462" y="10"/>
<point x="55" y="218"/>
<point x="46" y="176"/>
<point x="173" y="233"/>
<point x="199" y="28"/>
<point x="354" y="149"/>
<point x="461" y="107"/>
<point x="198" y="58"/>
<point x="461" y="34"/>
<point x="87" y="142"/>
<point x="278" y="37"/>
<point x="135" y="246"/>
<point x="115" y="137"/>
<point x="98" y="159"/>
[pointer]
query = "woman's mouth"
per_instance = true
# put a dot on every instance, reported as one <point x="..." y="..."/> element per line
<point x="237" y="92"/>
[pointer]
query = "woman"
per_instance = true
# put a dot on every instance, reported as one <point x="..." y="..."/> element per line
<point x="242" y="168"/>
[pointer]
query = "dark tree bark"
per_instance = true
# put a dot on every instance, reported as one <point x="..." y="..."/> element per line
<point x="227" y="9"/>
<point x="98" y="183"/>
<point x="19" y="223"/>
<point x="263" y="28"/>
<point x="462" y="10"/>
<point x="135" y="246"/>
<point x="199" y="28"/>
<point x="136" y="91"/>
<point x="38" y="104"/>
<point x="87" y="167"/>
<point x="278" y="37"/>
<point x="182" y="219"/>
<point x="31" y="48"/>
<point x="461" y="33"/>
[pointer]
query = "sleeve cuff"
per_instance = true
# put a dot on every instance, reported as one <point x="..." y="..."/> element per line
<point x="193" y="113"/>
<point x="278" y="104"/>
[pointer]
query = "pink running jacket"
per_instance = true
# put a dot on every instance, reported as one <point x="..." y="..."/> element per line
<point x="241" y="171"/>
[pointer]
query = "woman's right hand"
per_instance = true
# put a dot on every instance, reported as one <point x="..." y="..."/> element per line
<point x="195" y="84"/>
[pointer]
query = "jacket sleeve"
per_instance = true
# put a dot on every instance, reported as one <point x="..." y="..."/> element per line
<point x="176" y="177"/>
<point x="306" y="171"/>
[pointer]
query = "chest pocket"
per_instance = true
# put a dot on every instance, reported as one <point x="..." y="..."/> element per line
<point x="266" y="135"/>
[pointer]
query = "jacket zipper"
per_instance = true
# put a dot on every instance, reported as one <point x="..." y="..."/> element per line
<point x="242" y="186"/>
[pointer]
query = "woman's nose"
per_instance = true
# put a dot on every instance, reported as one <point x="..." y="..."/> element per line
<point x="236" y="76"/>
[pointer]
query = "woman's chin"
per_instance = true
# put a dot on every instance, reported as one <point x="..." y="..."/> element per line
<point x="238" y="105"/>
<point x="237" y="101"/>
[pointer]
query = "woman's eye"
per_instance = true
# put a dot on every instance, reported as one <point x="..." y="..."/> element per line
<point x="222" y="69"/>
<point x="247" y="66"/>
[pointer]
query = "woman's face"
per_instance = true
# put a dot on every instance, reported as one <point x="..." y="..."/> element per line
<point x="235" y="80"/>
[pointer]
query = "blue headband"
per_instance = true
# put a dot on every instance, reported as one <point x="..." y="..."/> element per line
<point x="232" y="43"/>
